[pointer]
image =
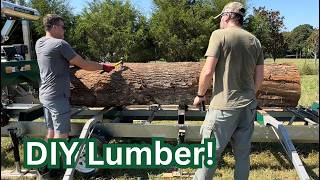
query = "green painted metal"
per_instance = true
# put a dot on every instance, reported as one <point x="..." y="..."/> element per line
<point x="315" y="106"/>
<point x="20" y="75"/>
<point x="260" y="118"/>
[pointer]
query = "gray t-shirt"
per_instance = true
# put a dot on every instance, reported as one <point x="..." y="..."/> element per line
<point x="53" y="57"/>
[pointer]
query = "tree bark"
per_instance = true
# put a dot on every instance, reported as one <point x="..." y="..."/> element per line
<point x="171" y="83"/>
<point x="281" y="86"/>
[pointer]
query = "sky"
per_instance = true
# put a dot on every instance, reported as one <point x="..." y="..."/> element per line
<point x="295" y="12"/>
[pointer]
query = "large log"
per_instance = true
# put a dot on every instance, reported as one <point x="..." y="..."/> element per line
<point x="171" y="83"/>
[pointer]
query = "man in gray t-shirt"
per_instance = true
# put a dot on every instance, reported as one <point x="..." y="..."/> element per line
<point x="54" y="56"/>
<point x="53" y="59"/>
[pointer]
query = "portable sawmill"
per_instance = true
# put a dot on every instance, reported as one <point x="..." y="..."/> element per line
<point x="20" y="107"/>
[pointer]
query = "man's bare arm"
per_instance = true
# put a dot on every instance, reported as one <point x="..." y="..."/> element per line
<point x="86" y="65"/>
<point x="258" y="76"/>
<point x="206" y="75"/>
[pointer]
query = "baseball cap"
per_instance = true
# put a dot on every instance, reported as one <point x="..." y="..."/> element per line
<point x="232" y="7"/>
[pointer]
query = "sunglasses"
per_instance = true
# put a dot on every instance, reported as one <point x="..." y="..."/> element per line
<point x="223" y="14"/>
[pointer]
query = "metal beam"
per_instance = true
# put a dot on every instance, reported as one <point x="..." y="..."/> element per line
<point x="169" y="112"/>
<point x="284" y="138"/>
<point x="5" y="31"/>
<point x="27" y="37"/>
<point x="297" y="133"/>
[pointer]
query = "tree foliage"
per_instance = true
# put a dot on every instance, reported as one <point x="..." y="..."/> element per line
<point x="181" y="29"/>
<point x="266" y="25"/>
<point x="110" y="29"/>
<point x="59" y="7"/>
<point x="298" y="37"/>
<point x="312" y="43"/>
<point x="177" y="30"/>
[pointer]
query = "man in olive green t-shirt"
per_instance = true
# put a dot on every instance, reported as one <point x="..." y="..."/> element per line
<point x="235" y="63"/>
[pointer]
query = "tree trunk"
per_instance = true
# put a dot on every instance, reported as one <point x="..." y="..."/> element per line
<point x="171" y="83"/>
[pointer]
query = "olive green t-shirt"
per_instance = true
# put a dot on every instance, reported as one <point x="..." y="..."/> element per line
<point x="238" y="52"/>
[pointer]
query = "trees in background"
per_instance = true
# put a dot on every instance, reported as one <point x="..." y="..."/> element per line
<point x="312" y="43"/>
<point x="60" y="7"/>
<point x="109" y="30"/>
<point x="267" y="25"/>
<point x="297" y="39"/>
<point x="176" y="31"/>
<point x="181" y="29"/>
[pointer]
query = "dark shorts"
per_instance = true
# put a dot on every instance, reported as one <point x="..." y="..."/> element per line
<point x="57" y="115"/>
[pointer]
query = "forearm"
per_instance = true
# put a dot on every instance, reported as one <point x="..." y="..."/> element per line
<point x="86" y="65"/>
<point x="92" y="66"/>
<point x="258" y="83"/>
<point x="206" y="75"/>
<point x="204" y="82"/>
<point x="258" y="77"/>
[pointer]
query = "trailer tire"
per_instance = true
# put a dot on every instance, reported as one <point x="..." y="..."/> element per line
<point x="80" y="167"/>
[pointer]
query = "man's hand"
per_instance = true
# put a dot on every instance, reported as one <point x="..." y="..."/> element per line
<point x="107" y="67"/>
<point x="197" y="101"/>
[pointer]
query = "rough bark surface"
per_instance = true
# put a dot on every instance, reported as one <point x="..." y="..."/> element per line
<point x="281" y="86"/>
<point x="171" y="83"/>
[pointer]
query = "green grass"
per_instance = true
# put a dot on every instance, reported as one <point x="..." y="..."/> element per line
<point x="300" y="63"/>
<point x="309" y="89"/>
<point x="305" y="66"/>
<point x="268" y="161"/>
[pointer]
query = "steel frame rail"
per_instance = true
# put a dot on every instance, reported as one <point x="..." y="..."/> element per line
<point x="298" y="133"/>
<point x="286" y="142"/>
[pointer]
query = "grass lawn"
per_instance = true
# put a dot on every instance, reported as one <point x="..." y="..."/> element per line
<point x="268" y="160"/>
<point x="300" y="63"/>
<point x="309" y="89"/>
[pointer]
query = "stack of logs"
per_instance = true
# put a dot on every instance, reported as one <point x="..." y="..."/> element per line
<point x="172" y="83"/>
